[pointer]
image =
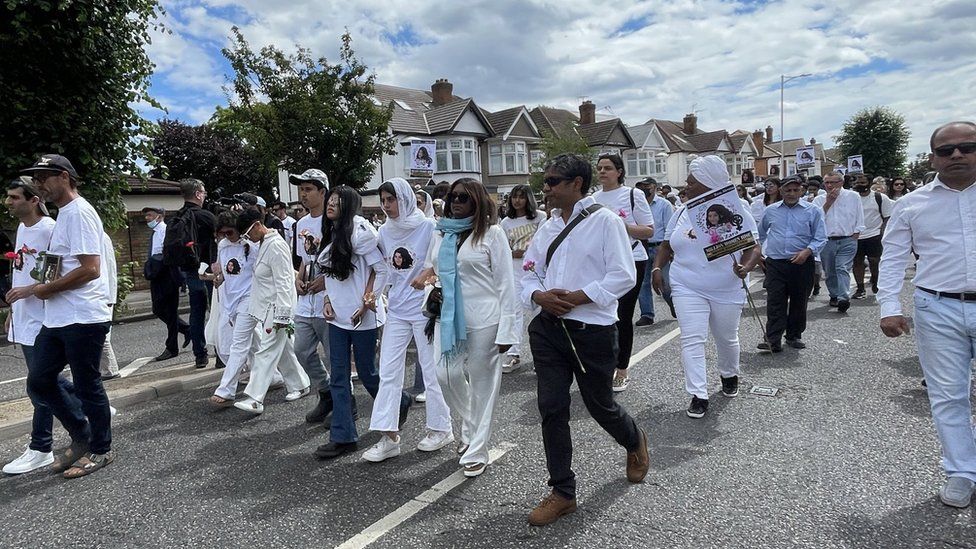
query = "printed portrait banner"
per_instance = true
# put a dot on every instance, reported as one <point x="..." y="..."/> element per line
<point x="423" y="153"/>
<point x="855" y="164"/>
<point x="841" y="170"/>
<point x="806" y="157"/>
<point x="717" y="217"/>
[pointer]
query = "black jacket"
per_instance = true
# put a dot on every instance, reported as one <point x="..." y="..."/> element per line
<point x="206" y="227"/>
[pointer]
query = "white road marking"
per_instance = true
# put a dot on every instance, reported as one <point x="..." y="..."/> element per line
<point x="13" y="380"/>
<point x="379" y="528"/>
<point x="134" y="366"/>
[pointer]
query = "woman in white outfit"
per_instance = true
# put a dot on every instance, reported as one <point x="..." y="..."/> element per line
<point x="272" y="303"/>
<point x="404" y="240"/>
<point x="770" y="195"/>
<point x="707" y="294"/>
<point x="521" y="221"/>
<point x="472" y="259"/>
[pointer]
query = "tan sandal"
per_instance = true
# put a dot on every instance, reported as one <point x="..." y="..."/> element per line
<point x="64" y="459"/>
<point x="221" y="402"/>
<point x="88" y="465"/>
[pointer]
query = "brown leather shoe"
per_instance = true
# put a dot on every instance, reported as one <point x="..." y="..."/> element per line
<point x="550" y="509"/>
<point x="638" y="461"/>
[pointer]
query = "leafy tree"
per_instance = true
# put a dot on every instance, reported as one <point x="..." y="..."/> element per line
<point x="566" y="140"/>
<point x="298" y="112"/>
<point x="881" y="136"/>
<point x="70" y="73"/>
<point x="919" y="167"/>
<point x="212" y="153"/>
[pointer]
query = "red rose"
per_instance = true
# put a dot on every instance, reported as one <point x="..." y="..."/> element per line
<point x="10" y="255"/>
<point x="190" y="244"/>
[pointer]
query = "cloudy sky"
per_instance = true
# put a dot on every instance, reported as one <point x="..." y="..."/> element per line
<point x="637" y="60"/>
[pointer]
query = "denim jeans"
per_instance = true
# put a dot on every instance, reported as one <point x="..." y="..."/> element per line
<point x="838" y="258"/>
<point x="199" y="301"/>
<point x="945" y="334"/>
<point x="309" y="332"/>
<point x="646" y="297"/>
<point x="80" y="347"/>
<point x="363" y="344"/>
<point x="42" y="425"/>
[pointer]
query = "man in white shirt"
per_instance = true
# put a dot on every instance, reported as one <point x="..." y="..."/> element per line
<point x="164" y="284"/>
<point x="591" y="268"/>
<point x="877" y="209"/>
<point x="939" y="222"/>
<point x="844" y="218"/>
<point x="280" y="211"/>
<point x="76" y="320"/>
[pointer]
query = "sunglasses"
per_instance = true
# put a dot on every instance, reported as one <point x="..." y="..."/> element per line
<point x="460" y="198"/>
<point x="553" y="181"/>
<point x="947" y="150"/>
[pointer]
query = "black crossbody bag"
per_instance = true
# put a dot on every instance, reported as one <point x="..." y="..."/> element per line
<point x="568" y="229"/>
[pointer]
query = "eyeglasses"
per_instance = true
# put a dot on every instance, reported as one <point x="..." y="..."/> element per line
<point x="226" y="233"/>
<point x="947" y="150"/>
<point x="460" y="198"/>
<point x="553" y="181"/>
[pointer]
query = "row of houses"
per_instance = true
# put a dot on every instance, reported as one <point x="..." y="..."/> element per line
<point x="502" y="149"/>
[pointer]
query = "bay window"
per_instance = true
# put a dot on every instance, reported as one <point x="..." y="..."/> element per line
<point x="458" y="154"/>
<point x="507" y="158"/>
<point x="646" y="164"/>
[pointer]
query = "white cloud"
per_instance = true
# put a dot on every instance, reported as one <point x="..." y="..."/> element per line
<point x="723" y="58"/>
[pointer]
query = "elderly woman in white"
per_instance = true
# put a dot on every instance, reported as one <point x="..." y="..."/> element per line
<point x="707" y="294"/>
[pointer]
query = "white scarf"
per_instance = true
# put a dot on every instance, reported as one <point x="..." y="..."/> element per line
<point x="410" y="216"/>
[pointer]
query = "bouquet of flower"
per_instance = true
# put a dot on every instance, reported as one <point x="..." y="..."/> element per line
<point x="17" y="258"/>
<point x="529" y="266"/>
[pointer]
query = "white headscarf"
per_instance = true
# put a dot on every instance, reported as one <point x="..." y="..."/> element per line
<point x="428" y="204"/>
<point x="410" y="216"/>
<point x="710" y="171"/>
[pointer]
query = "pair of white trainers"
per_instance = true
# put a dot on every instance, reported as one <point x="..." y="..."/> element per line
<point x="388" y="447"/>
<point x="31" y="460"/>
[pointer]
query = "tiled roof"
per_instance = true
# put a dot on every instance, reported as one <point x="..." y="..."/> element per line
<point x="640" y="133"/>
<point x="502" y="120"/>
<point x="442" y="119"/>
<point x="420" y="116"/>
<point x="738" y="139"/>
<point x="151" y="185"/>
<point x="707" y="141"/>
<point x="598" y="133"/>
<point x="552" y="120"/>
<point x="674" y="136"/>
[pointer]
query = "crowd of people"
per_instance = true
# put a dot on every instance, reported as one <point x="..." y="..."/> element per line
<point x="442" y="273"/>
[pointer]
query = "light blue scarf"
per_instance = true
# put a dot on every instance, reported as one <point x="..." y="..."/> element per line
<point x="453" y="328"/>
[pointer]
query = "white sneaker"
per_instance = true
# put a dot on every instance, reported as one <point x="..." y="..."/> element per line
<point x="512" y="365"/>
<point x="620" y="384"/>
<point x="435" y="440"/>
<point x="248" y="404"/>
<point x="295" y="395"/>
<point x="421" y="397"/>
<point x="383" y="450"/>
<point x="113" y="411"/>
<point x="29" y="461"/>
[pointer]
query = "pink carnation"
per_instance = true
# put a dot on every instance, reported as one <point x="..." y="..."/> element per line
<point x="528" y="265"/>
<point x="622" y="213"/>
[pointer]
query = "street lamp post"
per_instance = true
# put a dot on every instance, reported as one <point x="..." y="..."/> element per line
<point x="783" y="79"/>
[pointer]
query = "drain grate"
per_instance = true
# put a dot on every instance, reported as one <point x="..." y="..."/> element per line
<point x="763" y="391"/>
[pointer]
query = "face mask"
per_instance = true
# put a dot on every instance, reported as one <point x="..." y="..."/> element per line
<point x="153" y="224"/>
<point x="861" y="188"/>
<point x="246" y="235"/>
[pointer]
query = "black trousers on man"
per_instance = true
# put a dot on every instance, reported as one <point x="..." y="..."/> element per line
<point x="164" y="289"/>
<point x="788" y="288"/>
<point x="555" y="367"/>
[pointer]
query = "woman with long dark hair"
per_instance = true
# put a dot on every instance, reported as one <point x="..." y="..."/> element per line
<point x="631" y="205"/>
<point x="352" y="264"/>
<point x="472" y="260"/>
<point x="770" y="196"/>
<point x="897" y="188"/>
<point x="521" y="221"/>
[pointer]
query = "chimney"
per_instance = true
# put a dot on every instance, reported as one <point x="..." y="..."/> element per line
<point x="691" y="124"/>
<point x="442" y="92"/>
<point x="813" y="141"/>
<point x="587" y="112"/>
<point x="757" y="140"/>
<point x="769" y="134"/>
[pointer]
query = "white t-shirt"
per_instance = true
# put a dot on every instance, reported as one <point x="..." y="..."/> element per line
<point x="405" y="260"/>
<point x="308" y="237"/>
<point x="873" y="215"/>
<point x="157" y="237"/>
<point x="347" y="295"/>
<point x="694" y="275"/>
<point x="618" y="200"/>
<point x="236" y="260"/>
<point x="520" y="231"/>
<point x="28" y="313"/>
<point x="78" y="231"/>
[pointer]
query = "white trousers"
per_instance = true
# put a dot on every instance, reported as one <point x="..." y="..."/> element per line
<point x="470" y="383"/>
<point x="244" y="340"/>
<point x="275" y="350"/>
<point x="696" y="315"/>
<point x="397" y="334"/>
<point x="224" y="332"/>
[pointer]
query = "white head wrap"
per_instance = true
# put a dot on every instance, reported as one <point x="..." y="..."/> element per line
<point x="710" y="171"/>
<point x="428" y="204"/>
<point x="410" y="216"/>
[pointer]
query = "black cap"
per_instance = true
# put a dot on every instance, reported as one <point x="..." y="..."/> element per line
<point x="156" y="209"/>
<point x="52" y="163"/>
<point x="647" y="181"/>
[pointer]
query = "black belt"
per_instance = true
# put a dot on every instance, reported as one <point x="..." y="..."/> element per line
<point x="965" y="296"/>
<point x="839" y="237"/>
<point x="570" y="323"/>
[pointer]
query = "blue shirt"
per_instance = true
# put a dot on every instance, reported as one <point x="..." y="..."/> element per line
<point x="785" y="230"/>
<point x="661" y="211"/>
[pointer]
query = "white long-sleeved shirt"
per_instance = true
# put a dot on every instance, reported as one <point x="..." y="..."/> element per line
<point x="845" y="216"/>
<point x="273" y="293"/>
<point x="940" y="224"/>
<point x="487" y="282"/>
<point x="157" y="237"/>
<point x="595" y="257"/>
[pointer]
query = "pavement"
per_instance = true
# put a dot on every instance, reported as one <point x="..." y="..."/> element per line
<point x="845" y="455"/>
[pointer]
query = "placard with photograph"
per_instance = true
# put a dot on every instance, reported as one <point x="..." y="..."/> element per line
<point x="718" y="219"/>
<point x="806" y="156"/>
<point x="855" y="164"/>
<point x="423" y="153"/>
<point x="50" y="268"/>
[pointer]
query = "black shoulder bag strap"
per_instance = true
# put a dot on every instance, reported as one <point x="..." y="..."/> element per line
<point x="568" y="229"/>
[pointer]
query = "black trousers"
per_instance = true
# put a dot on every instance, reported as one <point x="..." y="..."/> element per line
<point x="788" y="288"/>
<point x="555" y="367"/>
<point x="625" y="318"/>
<point x="165" y="293"/>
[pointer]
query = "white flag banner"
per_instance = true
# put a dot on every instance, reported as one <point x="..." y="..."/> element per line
<point x="855" y="164"/>
<point x="422" y="155"/>
<point x="719" y="223"/>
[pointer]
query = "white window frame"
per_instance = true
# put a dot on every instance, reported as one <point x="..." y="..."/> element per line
<point x="458" y="154"/>
<point x="508" y="158"/>
<point x="645" y="163"/>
